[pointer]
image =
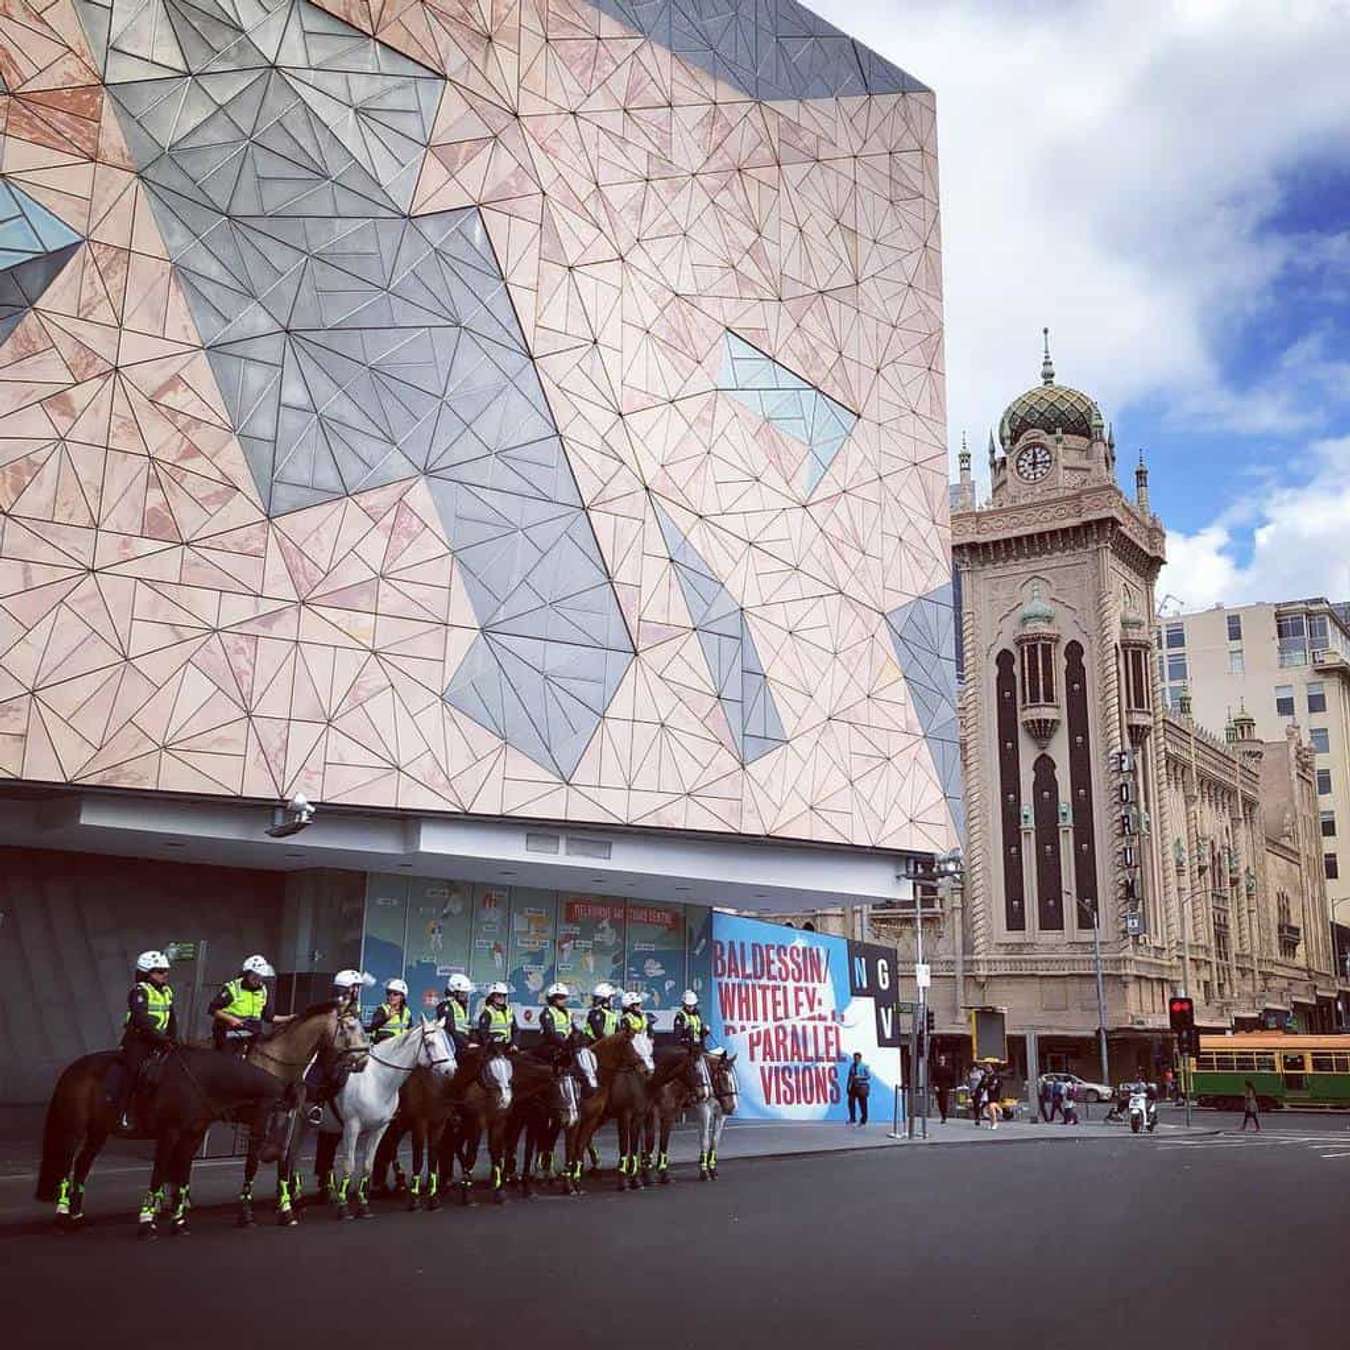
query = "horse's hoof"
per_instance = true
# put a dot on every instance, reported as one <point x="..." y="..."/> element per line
<point x="499" y="1197"/>
<point x="246" y="1220"/>
<point x="412" y="1204"/>
<point x="363" y="1211"/>
<point x="180" y="1229"/>
<point x="663" y="1177"/>
<point x="146" y="1232"/>
<point x="434" y="1200"/>
<point x="342" y="1212"/>
<point x="713" y="1174"/>
<point x="286" y="1218"/>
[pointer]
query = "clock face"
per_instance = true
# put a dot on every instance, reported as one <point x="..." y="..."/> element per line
<point x="1033" y="463"/>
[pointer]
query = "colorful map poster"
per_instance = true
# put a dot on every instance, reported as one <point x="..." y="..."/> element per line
<point x="440" y="924"/>
<point x="491" y="937"/>
<point x="382" y="948"/>
<point x="531" y="957"/>
<point x="655" y="961"/>
<point x="590" y="944"/>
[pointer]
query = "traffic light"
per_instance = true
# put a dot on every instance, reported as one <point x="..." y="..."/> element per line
<point x="931" y="1021"/>
<point x="1181" y="1014"/>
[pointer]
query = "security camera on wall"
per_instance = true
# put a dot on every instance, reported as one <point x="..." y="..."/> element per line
<point x="291" y="818"/>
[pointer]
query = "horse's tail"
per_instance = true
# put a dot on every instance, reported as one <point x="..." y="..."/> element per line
<point x="60" y="1135"/>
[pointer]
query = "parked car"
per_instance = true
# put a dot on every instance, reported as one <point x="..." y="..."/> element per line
<point x="1083" y="1090"/>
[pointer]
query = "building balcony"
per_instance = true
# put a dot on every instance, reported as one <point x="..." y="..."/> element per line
<point x="1330" y="662"/>
<point x="1290" y="935"/>
<point x="1040" y="721"/>
<point x="1138" y="724"/>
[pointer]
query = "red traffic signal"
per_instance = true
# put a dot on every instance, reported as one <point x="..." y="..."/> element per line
<point x="1181" y="1014"/>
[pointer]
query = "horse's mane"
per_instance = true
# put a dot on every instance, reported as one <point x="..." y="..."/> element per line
<point x="316" y="1010"/>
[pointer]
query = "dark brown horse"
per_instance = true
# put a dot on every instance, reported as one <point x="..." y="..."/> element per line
<point x="624" y="1063"/>
<point x="482" y="1091"/>
<point x="192" y="1088"/>
<point x="681" y="1080"/>
<point x="426" y="1108"/>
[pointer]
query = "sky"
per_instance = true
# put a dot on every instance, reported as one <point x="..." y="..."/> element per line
<point x="1166" y="186"/>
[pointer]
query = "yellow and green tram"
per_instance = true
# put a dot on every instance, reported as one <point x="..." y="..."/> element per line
<point x="1286" y="1071"/>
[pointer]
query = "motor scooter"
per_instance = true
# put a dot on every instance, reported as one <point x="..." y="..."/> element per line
<point x="1143" y="1110"/>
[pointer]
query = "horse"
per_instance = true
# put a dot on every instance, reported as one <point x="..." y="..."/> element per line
<point x="547" y="1101"/>
<point x="192" y="1088"/>
<point x="585" y="1074"/>
<point x="625" y="1062"/>
<point x="681" y="1080"/>
<point x="356" y="1120"/>
<point x="713" y="1113"/>
<point x="286" y="1054"/>
<point x="482" y="1092"/>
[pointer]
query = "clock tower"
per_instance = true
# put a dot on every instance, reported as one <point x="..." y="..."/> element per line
<point x="1058" y="708"/>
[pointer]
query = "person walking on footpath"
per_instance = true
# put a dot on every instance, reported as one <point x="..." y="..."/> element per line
<point x="976" y="1085"/>
<point x="1068" y="1104"/>
<point x="1251" y="1107"/>
<point x="1056" y="1099"/>
<point x="859" y="1087"/>
<point x="943" y="1081"/>
<point x="993" y="1095"/>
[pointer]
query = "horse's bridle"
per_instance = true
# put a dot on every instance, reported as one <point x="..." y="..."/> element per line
<point x="258" y="1049"/>
<point x="412" y="1068"/>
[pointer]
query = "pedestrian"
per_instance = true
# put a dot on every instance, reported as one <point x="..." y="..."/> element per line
<point x="859" y="1088"/>
<point x="943" y="1081"/>
<point x="1056" y="1098"/>
<point x="1046" y="1090"/>
<point x="993" y="1094"/>
<point x="1069" y="1107"/>
<point x="975" y="1083"/>
<point x="1251" y="1107"/>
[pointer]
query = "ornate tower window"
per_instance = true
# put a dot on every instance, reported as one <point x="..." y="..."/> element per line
<point x="1037" y="644"/>
<point x="1009" y="787"/>
<point x="1135" y="691"/>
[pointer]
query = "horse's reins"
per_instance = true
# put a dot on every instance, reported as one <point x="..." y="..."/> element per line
<point x="411" y="1068"/>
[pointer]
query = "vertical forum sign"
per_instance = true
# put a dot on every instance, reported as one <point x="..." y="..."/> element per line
<point x="794" y="1006"/>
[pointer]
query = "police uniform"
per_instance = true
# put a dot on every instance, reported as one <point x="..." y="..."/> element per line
<point x="390" y="1021"/>
<point x="635" y="1020"/>
<point x="497" y="1026"/>
<point x="601" y="1021"/>
<point x="458" y="1024"/>
<point x="690" y="1028"/>
<point x="555" y="1026"/>
<point x="149" y="1026"/>
<point x="249" y="1005"/>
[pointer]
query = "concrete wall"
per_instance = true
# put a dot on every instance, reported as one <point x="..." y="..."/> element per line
<point x="71" y="926"/>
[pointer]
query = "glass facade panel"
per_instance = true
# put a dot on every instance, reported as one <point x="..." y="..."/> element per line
<point x="1284" y="700"/>
<point x="1235" y="628"/>
<point x="1320" y="738"/>
<point x="1317" y="696"/>
<point x="1176" y="634"/>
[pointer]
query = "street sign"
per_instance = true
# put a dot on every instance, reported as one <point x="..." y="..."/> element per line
<point x="923" y="974"/>
<point x="1134" y="925"/>
<point x="181" y="951"/>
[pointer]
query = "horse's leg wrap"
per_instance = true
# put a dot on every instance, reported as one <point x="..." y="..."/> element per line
<point x="63" y="1198"/>
<point x="180" y="1209"/>
<point x="623" y="1164"/>
<point x="283" y="1194"/>
<point x="496" y="1176"/>
<point x="663" y="1162"/>
<point x="246" y="1193"/>
<point x="150" y="1203"/>
<point x="546" y="1164"/>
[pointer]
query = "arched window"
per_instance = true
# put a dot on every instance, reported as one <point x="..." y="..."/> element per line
<point x="1010" y="792"/>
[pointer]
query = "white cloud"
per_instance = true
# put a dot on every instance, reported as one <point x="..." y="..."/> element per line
<point x="1298" y="546"/>
<point x="1110" y="169"/>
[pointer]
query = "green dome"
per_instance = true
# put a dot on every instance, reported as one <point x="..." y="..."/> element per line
<point x="1036" y="610"/>
<point x="1050" y="407"/>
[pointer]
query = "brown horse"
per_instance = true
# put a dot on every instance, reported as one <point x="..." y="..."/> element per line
<point x="324" y="1031"/>
<point x="482" y="1091"/>
<point x="426" y="1108"/>
<point x="624" y="1062"/>
<point x="681" y="1080"/>
<point x="193" y="1087"/>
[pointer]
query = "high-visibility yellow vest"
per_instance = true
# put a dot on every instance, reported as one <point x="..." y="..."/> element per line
<point x="635" y="1020"/>
<point x="693" y="1023"/>
<point x="245" y="1002"/>
<point x="559" y="1018"/>
<point x="499" y="1023"/>
<point x="395" y="1021"/>
<point x="610" y="1024"/>
<point x="159" y="1000"/>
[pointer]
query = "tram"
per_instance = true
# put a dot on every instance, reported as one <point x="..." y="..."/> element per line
<point x="1287" y="1071"/>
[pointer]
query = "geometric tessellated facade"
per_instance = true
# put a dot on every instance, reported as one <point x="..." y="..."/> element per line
<point x="526" y="409"/>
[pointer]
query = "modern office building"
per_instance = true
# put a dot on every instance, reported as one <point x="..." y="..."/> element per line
<point x="520" y="432"/>
<point x="1287" y="664"/>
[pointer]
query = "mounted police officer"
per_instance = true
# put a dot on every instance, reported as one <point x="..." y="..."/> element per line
<point x="240" y="1010"/>
<point x="555" y="1026"/>
<point x="633" y="1018"/>
<point x="601" y="1019"/>
<point x="453" y="1010"/>
<point x="149" y="1027"/>
<point x="497" y="1023"/>
<point x="393" y="1017"/>
<point x="323" y="1081"/>
<point x="691" y="1030"/>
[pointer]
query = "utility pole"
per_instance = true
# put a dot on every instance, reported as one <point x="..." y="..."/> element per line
<point x="1101" y="992"/>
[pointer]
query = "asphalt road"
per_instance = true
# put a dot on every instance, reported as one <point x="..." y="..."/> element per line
<point x="1211" y="1241"/>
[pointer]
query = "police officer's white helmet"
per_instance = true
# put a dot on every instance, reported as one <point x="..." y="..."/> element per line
<point x="603" y="990"/>
<point x="498" y="988"/>
<point x="397" y="987"/>
<point x="351" y="979"/>
<point x="459" y="984"/>
<point x="148" y="961"/>
<point x="689" y="999"/>
<point x="259" y="966"/>
<point x="557" y="991"/>
<point x="633" y="999"/>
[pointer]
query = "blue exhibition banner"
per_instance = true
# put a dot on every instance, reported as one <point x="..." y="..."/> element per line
<point x="794" y="1006"/>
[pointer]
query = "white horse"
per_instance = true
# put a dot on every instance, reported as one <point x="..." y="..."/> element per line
<point x="363" y="1109"/>
<point x="713" y="1113"/>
